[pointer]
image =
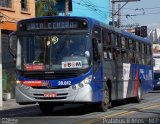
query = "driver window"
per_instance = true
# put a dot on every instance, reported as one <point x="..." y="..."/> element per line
<point x="95" y="49"/>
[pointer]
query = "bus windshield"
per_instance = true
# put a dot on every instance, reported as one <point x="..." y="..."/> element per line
<point x="56" y="52"/>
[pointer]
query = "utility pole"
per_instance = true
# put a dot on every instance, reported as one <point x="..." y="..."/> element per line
<point x="113" y="13"/>
<point x="113" y="8"/>
<point x="119" y="16"/>
<point x="1" y="93"/>
<point x="66" y="7"/>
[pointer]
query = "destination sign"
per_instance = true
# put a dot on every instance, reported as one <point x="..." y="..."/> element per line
<point x="53" y="24"/>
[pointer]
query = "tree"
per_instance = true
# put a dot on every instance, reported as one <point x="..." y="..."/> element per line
<point x="45" y="8"/>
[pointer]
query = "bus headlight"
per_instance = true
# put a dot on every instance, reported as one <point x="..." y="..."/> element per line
<point x="87" y="80"/>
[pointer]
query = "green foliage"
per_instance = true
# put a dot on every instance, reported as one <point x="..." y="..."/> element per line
<point x="45" y="8"/>
<point x="9" y="79"/>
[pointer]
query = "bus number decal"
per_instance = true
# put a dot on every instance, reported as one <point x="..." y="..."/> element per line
<point x="64" y="82"/>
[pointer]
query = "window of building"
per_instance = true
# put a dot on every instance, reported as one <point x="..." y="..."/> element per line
<point x="24" y="6"/>
<point x="6" y="3"/>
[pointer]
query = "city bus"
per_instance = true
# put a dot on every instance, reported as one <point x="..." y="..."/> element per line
<point x="52" y="70"/>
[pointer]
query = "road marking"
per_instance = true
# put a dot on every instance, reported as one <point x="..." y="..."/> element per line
<point x="120" y="114"/>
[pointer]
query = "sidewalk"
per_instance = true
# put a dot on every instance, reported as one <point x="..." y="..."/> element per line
<point x="11" y="104"/>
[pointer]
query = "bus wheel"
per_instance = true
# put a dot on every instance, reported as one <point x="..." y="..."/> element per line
<point x="138" y="98"/>
<point x="105" y="103"/>
<point x="46" y="108"/>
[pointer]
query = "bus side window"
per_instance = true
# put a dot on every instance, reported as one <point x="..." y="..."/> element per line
<point x="137" y="46"/>
<point x="138" y="58"/>
<point x="131" y="44"/>
<point x="123" y="42"/>
<point x="106" y="37"/>
<point x="143" y="48"/>
<point x="131" y="57"/>
<point x="105" y="53"/>
<point x="124" y="55"/>
<point x="116" y="40"/>
<point x="117" y="54"/>
<point x="148" y="55"/>
<point x="109" y="38"/>
<point x="104" y="34"/>
<point x="108" y="53"/>
<point x="95" y="49"/>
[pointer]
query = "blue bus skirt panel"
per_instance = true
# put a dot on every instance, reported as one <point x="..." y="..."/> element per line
<point x="97" y="84"/>
<point x="66" y="90"/>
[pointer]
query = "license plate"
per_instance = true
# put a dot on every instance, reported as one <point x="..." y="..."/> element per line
<point x="50" y="94"/>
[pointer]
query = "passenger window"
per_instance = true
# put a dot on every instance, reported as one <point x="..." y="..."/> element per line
<point x="124" y="55"/>
<point x="123" y="42"/>
<point x="117" y="54"/>
<point x="131" y="44"/>
<point x="143" y="60"/>
<point x="143" y="50"/>
<point x="138" y="59"/>
<point x="149" y="58"/>
<point x="131" y="57"/>
<point x="97" y="32"/>
<point x="107" y="37"/>
<point x="137" y="46"/>
<point x="148" y="50"/>
<point x="108" y="53"/>
<point x="116" y="40"/>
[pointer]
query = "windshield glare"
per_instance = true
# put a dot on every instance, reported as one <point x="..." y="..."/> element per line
<point x="56" y="52"/>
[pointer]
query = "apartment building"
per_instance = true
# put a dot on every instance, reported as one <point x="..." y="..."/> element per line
<point x="12" y="11"/>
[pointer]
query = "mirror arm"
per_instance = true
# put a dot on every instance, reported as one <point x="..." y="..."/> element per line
<point x="9" y="48"/>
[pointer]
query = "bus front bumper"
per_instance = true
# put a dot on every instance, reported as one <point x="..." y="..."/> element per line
<point x="27" y="95"/>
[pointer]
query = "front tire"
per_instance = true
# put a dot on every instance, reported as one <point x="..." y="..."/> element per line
<point x="103" y="106"/>
<point x="46" y="108"/>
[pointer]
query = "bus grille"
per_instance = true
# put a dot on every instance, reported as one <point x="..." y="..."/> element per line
<point x="50" y="76"/>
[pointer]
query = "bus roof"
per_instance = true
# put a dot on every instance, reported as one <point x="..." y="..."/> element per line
<point x="91" y="22"/>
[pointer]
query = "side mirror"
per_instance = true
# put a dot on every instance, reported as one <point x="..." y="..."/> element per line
<point x="87" y="54"/>
<point x="12" y="42"/>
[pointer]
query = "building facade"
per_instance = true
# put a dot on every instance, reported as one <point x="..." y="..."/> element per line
<point x="12" y="11"/>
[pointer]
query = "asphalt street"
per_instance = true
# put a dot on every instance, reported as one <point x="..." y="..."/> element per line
<point x="148" y="111"/>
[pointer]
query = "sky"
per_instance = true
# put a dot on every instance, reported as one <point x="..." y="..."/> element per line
<point x="98" y="9"/>
<point x="143" y="12"/>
